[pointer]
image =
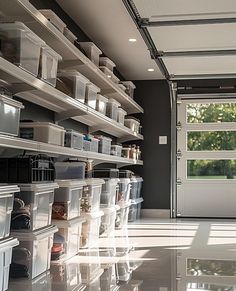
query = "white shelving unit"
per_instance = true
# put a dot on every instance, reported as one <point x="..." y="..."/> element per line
<point x="22" y="10"/>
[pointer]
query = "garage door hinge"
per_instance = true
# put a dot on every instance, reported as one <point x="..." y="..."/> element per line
<point x="179" y="154"/>
<point x="178" y="182"/>
<point x="179" y="126"/>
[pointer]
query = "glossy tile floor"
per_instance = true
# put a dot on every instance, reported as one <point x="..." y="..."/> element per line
<point x="158" y="255"/>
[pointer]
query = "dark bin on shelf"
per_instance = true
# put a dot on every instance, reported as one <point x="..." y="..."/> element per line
<point x="125" y="174"/>
<point x="106" y="173"/>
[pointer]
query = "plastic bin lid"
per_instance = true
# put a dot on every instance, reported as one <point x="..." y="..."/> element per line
<point x="94" y="182"/>
<point x="108" y="210"/>
<point x="124" y="180"/>
<point x="8" y="189"/>
<point x="92" y="215"/>
<point x="11" y="102"/>
<point x="51" y="51"/>
<point x="38" y="187"/>
<point x="93" y="87"/>
<point x="7" y="243"/>
<point x="40" y="124"/>
<point x="71" y="183"/>
<point x="21" y="26"/>
<point x="72" y="131"/>
<point x="68" y="223"/>
<point x="122" y="86"/>
<point x="48" y="13"/>
<point x="128" y="84"/>
<point x="102" y="98"/>
<point x="90" y="44"/>
<point x="121" y="110"/>
<point x="112" y="100"/>
<point x="72" y="74"/>
<point x="123" y="204"/>
<point x="112" y="180"/>
<point x="35" y="235"/>
<point x="136" y="179"/>
<point x="137" y="201"/>
<point x="131" y="118"/>
<point x="107" y="60"/>
<point x="103" y="137"/>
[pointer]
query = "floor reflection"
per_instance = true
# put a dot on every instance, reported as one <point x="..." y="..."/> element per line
<point x="158" y="255"/>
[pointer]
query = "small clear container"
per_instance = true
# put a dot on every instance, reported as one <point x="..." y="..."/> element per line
<point x="133" y="124"/>
<point x="70" y="232"/>
<point x="92" y="51"/>
<point x="9" y="115"/>
<point x="33" y="252"/>
<point x="126" y="152"/>
<point x="6" y="247"/>
<point x="116" y="150"/>
<point x="107" y="226"/>
<point x="90" y="229"/>
<point x="101" y="104"/>
<point x="133" y="152"/>
<point x="130" y="87"/>
<point x="74" y="139"/>
<point x="136" y="184"/>
<point x="87" y="145"/>
<point x="6" y="206"/>
<point x="124" y="191"/>
<point x="69" y="35"/>
<point x="122" y="216"/>
<point x="107" y="72"/>
<point x="94" y="144"/>
<point x="109" y="191"/>
<point x="67" y="199"/>
<point x="70" y="170"/>
<point x="112" y="108"/>
<point x="122" y="87"/>
<point x="48" y="65"/>
<point x="43" y="131"/>
<point x="91" y="95"/>
<point x="134" y="210"/>
<point x="90" y="201"/>
<point x="38" y="200"/>
<point x="76" y="83"/>
<point x="106" y="62"/>
<point x="104" y="145"/>
<point x="54" y="19"/>
<point x="20" y="46"/>
<point x="121" y="116"/>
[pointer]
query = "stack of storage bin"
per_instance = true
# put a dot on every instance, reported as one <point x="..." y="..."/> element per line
<point x="108" y="199"/>
<point x="136" y="200"/>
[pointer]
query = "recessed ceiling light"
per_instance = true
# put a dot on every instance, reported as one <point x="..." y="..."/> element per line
<point x="150" y="70"/>
<point x="132" y="39"/>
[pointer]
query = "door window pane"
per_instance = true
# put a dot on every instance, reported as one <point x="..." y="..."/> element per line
<point x="211" y="169"/>
<point x="211" y="112"/>
<point x="211" y="140"/>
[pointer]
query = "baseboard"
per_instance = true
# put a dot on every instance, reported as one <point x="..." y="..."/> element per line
<point x="155" y="213"/>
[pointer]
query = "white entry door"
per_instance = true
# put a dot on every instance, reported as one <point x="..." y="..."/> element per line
<point x="206" y="158"/>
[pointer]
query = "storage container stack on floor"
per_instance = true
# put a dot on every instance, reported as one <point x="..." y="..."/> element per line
<point x="51" y="217"/>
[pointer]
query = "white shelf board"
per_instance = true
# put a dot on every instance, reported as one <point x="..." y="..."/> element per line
<point x="36" y="91"/>
<point x="23" y="10"/>
<point x="28" y="145"/>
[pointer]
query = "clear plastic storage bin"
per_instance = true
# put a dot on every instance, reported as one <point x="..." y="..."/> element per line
<point x="136" y="185"/>
<point x="6" y="246"/>
<point x="67" y="199"/>
<point x="122" y="216"/>
<point x="107" y="72"/>
<point x="33" y="252"/>
<point x="75" y="82"/>
<point x="66" y="276"/>
<point x="69" y="35"/>
<point x="109" y="191"/>
<point x="134" y="210"/>
<point x="38" y="200"/>
<point x="9" y="115"/>
<point x="133" y="124"/>
<point x="122" y="87"/>
<point x="43" y="131"/>
<point x="101" y="104"/>
<point x="74" y="139"/>
<point x="6" y="205"/>
<point x="116" y="150"/>
<point x="94" y="283"/>
<point x="54" y="19"/>
<point x="70" y="232"/>
<point x="106" y="62"/>
<point x="91" y="95"/>
<point x="90" y="229"/>
<point x="121" y="116"/>
<point x="108" y="279"/>
<point x="108" y="220"/>
<point x="20" y="46"/>
<point x="112" y="108"/>
<point x="90" y="264"/>
<point x="130" y="87"/>
<point x="104" y="145"/>
<point x="124" y="191"/>
<point x="92" y="51"/>
<point x="70" y="170"/>
<point x="106" y="173"/>
<point x="90" y="201"/>
<point x="115" y="79"/>
<point x="48" y="65"/>
<point x="87" y="145"/>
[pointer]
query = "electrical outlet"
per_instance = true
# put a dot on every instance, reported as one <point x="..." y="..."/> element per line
<point x="162" y="139"/>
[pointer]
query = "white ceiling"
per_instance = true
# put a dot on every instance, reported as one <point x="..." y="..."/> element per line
<point x="109" y="25"/>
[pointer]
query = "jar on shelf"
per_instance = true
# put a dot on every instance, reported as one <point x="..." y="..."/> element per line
<point x="138" y="153"/>
<point x="133" y="152"/>
<point x="126" y="150"/>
